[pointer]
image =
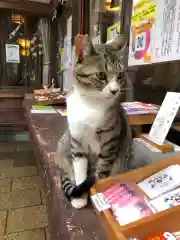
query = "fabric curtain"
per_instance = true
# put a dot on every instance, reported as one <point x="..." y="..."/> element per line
<point x="44" y="29"/>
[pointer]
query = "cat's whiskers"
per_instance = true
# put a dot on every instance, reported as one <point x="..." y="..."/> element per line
<point x="129" y="89"/>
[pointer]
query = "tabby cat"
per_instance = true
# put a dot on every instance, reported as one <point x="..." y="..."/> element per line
<point x="98" y="141"/>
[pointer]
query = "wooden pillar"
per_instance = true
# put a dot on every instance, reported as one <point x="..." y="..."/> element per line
<point x="76" y="18"/>
<point x="126" y="16"/>
<point x="86" y="16"/>
<point x="53" y="50"/>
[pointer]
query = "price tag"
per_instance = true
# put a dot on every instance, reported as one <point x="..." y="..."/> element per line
<point x="100" y="202"/>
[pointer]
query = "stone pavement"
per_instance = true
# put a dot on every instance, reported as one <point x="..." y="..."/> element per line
<point x="22" y="203"/>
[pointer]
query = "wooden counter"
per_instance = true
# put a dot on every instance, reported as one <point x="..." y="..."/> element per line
<point x="65" y="222"/>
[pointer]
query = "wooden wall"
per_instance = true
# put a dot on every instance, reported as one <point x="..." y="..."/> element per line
<point x="11" y="112"/>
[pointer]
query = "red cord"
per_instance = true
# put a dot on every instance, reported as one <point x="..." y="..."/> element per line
<point x="82" y="17"/>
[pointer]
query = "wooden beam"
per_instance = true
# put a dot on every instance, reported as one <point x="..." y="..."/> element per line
<point x="53" y="50"/>
<point x="36" y="8"/>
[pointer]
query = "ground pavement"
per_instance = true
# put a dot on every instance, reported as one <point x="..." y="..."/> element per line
<point x="22" y="203"/>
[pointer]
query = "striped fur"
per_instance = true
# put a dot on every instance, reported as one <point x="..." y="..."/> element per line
<point x="98" y="141"/>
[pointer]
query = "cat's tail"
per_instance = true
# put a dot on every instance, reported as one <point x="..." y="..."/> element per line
<point x="72" y="191"/>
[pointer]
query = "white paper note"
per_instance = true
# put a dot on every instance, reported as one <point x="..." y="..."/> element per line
<point x="12" y="53"/>
<point x="165" y="117"/>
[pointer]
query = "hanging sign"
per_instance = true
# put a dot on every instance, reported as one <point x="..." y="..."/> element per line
<point x="155" y="32"/>
<point x="12" y="53"/>
<point x="113" y="31"/>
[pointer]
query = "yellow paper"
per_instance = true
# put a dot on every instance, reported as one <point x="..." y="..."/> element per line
<point x="112" y="31"/>
<point x="148" y="11"/>
<point x="62" y="56"/>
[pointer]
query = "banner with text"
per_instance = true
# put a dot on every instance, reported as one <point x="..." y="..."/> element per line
<point x="155" y="32"/>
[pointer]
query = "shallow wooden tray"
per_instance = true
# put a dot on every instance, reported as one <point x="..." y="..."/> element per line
<point x="164" y="221"/>
<point x="50" y="98"/>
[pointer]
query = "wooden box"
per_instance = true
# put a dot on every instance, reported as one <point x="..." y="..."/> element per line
<point x="168" y="221"/>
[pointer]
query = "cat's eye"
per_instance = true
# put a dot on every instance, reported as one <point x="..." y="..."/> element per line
<point x="101" y="76"/>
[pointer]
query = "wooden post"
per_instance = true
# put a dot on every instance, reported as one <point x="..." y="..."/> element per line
<point x="76" y="18"/>
<point x="53" y="49"/>
<point x="86" y="16"/>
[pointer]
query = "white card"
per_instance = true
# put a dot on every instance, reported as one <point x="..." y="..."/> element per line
<point x="161" y="182"/>
<point x="165" y="117"/>
<point x="167" y="200"/>
<point x="100" y="202"/>
<point x="12" y="53"/>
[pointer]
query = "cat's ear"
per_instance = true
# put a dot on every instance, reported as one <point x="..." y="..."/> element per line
<point x="119" y="42"/>
<point x="83" y="47"/>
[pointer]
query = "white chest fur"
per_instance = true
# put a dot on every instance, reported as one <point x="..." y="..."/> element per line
<point x="82" y="115"/>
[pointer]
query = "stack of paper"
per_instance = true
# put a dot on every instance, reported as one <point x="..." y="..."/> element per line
<point x="43" y="109"/>
<point x="139" y="108"/>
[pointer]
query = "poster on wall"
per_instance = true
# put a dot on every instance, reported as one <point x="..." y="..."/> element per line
<point x="155" y="32"/>
<point x="113" y="31"/>
<point x="12" y="53"/>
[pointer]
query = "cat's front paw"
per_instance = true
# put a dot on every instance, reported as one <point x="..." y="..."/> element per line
<point x="79" y="203"/>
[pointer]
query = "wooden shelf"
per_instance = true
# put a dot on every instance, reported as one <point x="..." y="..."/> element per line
<point x="11" y="95"/>
<point x="141" y="119"/>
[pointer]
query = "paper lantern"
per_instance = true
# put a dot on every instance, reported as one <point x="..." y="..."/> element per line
<point x="25" y="53"/>
<point x="17" y="18"/>
<point x="24" y="43"/>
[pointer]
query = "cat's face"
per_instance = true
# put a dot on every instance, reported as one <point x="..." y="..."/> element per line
<point x="99" y="72"/>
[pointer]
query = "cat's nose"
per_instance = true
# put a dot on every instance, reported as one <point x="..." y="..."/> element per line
<point x="114" y="91"/>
